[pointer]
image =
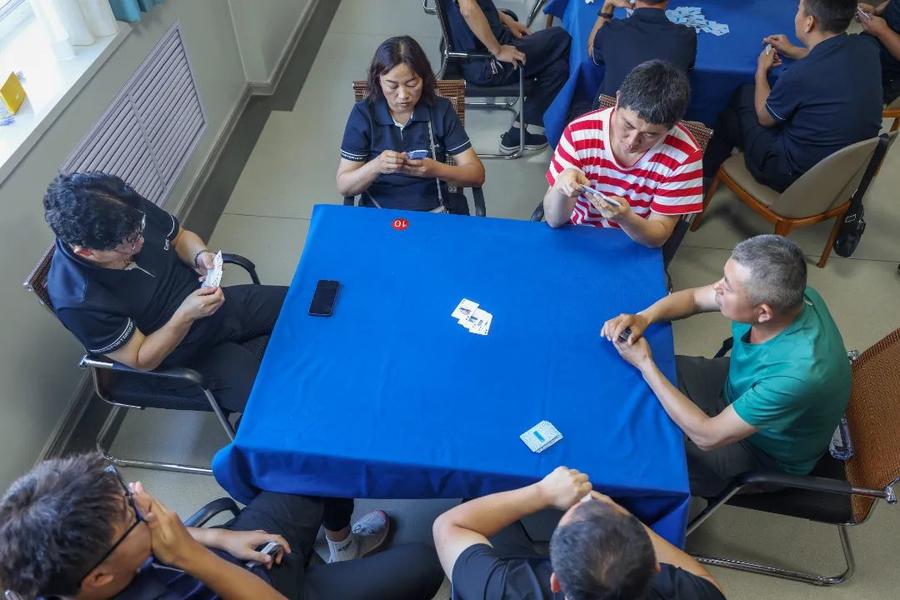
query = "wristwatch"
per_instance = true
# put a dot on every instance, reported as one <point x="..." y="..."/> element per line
<point x="605" y="15"/>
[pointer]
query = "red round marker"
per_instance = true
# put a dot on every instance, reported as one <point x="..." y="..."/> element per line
<point x="400" y="224"/>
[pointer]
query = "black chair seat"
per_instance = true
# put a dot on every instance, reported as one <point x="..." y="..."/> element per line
<point x="453" y="70"/>
<point x="817" y="506"/>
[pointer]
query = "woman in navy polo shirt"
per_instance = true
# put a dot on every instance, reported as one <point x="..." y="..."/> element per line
<point x="401" y="119"/>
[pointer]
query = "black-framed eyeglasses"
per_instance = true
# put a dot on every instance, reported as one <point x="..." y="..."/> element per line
<point x="135" y="237"/>
<point x="138" y="519"/>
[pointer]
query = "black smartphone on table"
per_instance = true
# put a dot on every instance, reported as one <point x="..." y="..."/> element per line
<point x="322" y="304"/>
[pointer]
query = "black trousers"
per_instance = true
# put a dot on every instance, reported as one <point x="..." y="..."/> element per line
<point x="228" y="358"/>
<point x="738" y="127"/>
<point x="408" y="572"/>
<point x="710" y="471"/>
<point x="546" y="60"/>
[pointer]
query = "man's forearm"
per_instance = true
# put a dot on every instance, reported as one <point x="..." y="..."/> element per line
<point x="761" y="96"/>
<point x="687" y="415"/>
<point x="160" y="344"/>
<point x="675" y="306"/>
<point x="644" y="231"/>
<point x="879" y="9"/>
<point x="891" y="41"/>
<point x="228" y="580"/>
<point x="488" y="515"/>
<point x="557" y="208"/>
<point x="479" y="25"/>
<point x="188" y="245"/>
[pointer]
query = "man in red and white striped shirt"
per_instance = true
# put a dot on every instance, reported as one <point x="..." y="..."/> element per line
<point x="636" y="153"/>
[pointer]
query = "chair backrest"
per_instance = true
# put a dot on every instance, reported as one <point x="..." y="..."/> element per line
<point x="36" y="282"/>
<point x="828" y="184"/>
<point x="701" y="132"/>
<point x="440" y="10"/>
<point x="452" y="89"/>
<point x="873" y="417"/>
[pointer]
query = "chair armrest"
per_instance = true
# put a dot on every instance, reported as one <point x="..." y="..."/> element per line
<point x="95" y="361"/>
<point x="349" y="200"/>
<point x="812" y="483"/>
<point x="727" y="344"/>
<point x="210" y="510"/>
<point x="538" y="214"/>
<point x="478" y="199"/>
<point x="245" y="263"/>
<point x="470" y="55"/>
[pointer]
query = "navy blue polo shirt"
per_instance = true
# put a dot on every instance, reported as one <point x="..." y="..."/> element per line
<point x="828" y="100"/>
<point x="623" y="44"/>
<point x="103" y="307"/>
<point x="890" y="65"/>
<point x="371" y="130"/>
<point x="461" y="36"/>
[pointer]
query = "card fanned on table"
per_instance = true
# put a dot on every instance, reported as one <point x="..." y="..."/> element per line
<point x="541" y="436"/>
<point x="469" y="315"/>
<point x="692" y="16"/>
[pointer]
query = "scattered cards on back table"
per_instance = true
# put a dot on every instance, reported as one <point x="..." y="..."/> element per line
<point x="469" y="315"/>
<point x="541" y="436"/>
<point x="692" y="16"/>
<point x="214" y="276"/>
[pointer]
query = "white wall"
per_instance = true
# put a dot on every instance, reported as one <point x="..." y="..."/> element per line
<point x="262" y="35"/>
<point x="38" y="357"/>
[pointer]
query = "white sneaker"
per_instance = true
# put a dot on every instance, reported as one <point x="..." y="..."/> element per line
<point x="367" y="535"/>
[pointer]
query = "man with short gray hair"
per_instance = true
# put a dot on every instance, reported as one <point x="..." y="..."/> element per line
<point x="776" y="402"/>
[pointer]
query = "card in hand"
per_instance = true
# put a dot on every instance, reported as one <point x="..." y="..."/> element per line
<point x="214" y="276"/>
<point x="594" y="196"/>
<point x="417" y="154"/>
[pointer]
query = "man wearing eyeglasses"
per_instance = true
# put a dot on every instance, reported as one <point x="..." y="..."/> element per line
<point x="125" y="279"/>
<point x="72" y="528"/>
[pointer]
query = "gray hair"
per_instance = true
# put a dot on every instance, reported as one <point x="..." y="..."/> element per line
<point x="777" y="271"/>
<point x="657" y="91"/>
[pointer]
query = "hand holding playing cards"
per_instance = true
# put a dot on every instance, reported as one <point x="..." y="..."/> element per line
<point x="874" y="25"/>
<point x="614" y="211"/>
<point x="390" y="162"/>
<point x="420" y="168"/>
<point x="768" y="58"/>
<point x="866" y="8"/>
<point x="205" y="261"/>
<point x="563" y="487"/>
<point x="783" y="45"/>
<point x="201" y="303"/>
<point x="637" y="353"/>
<point x="616" y="327"/>
<point x="570" y="183"/>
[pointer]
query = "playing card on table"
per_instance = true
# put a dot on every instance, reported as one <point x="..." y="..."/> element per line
<point x="485" y="326"/>
<point x="464" y="309"/>
<point x="541" y="436"/>
<point x="214" y="276"/>
<point x="475" y="320"/>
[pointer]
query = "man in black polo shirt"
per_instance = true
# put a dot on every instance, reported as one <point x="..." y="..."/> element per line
<point x="883" y="23"/>
<point x="598" y="550"/>
<point x="828" y="99"/>
<point x="623" y="44"/>
<point x="125" y="279"/>
<point x="477" y="26"/>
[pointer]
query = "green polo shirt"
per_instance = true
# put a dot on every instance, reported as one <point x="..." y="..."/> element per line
<point x="793" y="388"/>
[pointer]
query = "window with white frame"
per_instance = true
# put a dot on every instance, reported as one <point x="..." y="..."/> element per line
<point x="13" y="14"/>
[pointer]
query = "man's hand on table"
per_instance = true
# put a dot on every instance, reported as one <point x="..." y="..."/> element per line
<point x="636" y="353"/>
<point x="563" y="487"/>
<point x="616" y="326"/>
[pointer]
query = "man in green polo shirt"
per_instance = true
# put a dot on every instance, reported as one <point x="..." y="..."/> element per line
<point x="777" y="401"/>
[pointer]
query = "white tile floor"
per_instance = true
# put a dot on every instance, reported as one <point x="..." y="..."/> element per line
<point x="292" y="168"/>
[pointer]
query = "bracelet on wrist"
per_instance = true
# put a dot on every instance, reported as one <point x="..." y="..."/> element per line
<point x="196" y="256"/>
<point x="605" y="15"/>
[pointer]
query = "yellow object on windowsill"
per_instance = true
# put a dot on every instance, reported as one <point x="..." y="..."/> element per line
<point x="12" y="93"/>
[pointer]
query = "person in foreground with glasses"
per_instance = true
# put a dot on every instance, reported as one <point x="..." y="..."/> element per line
<point x="125" y="279"/>
<point x="72" y="528"/>
<point x="598" y="550"/>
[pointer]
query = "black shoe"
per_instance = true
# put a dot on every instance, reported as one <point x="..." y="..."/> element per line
<point x="509" y="141"/>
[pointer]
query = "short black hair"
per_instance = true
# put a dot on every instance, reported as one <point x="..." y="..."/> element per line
<point x="55" y="522"/>
<point x="777" y="271"/>
<point x="94" y="210"/>
<point x="396" y="51"/>
<point x="602" y="554"/>
<point x="657" y="91"/>
<point x="834" y="16"/>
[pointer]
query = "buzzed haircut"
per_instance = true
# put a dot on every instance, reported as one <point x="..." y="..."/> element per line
<point x="777" y="271"/>
<point x="833" y="16"/>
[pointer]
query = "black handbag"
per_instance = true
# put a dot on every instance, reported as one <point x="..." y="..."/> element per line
<point x="854" y="224"/>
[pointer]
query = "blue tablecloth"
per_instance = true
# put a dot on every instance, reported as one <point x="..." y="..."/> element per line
<point x="723" y="62"/>
<point x="391" y="398"/>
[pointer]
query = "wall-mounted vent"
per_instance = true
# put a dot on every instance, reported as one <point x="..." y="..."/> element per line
<point x="149" y="131"/>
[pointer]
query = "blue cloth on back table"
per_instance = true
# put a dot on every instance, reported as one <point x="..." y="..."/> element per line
<point x="723" y="62"/>
<point x="391" y="398"/>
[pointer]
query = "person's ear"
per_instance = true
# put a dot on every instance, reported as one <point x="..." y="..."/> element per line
<point x="764" y="313"/>
<point x="82" y="251"/>
<point x="658" y="567"/>
<point x="99" y="578"/>
<point x="554" y="583"/>
<point x="809" y="23"/>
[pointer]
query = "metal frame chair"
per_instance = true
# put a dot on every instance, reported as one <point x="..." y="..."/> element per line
<point x="702" y="134"/>
<point x="841" y="175"/>
<point x="454" y="91"/>
<point x="450" y="70"/>
<point x="835" y="493"/>
<point x="103" y="371"/>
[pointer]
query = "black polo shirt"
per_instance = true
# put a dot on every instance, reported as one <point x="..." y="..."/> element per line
<point x="461" y="36"/>
<point x="827" y="101"/>
<point x="480" y="574"/>
<point x="890" y="65"/>
<point x="623" y="44"/>
<point x="371" y="130"/>
<point x="103" y="307"/>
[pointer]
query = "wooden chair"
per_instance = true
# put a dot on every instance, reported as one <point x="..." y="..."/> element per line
<point x="892" y="111"/>
<point x="835" y="493"/>
<point x="702" y="134"/>
<point x="107" y="375"/>
<point x="455" y="92"/>
<point x="820" y="194"/>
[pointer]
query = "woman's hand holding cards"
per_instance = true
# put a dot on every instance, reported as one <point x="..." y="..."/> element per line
<point x="390" y="162"/>
<point x="420" y="168"/>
